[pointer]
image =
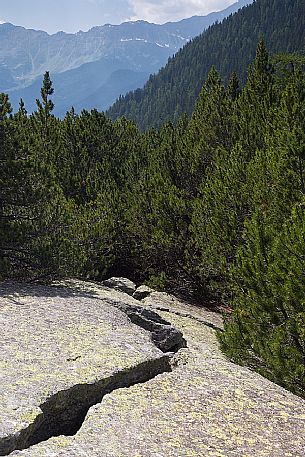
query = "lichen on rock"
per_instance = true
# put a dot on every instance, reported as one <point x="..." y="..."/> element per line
<point x="63" y="349"/>
<point x="199" y="403"/>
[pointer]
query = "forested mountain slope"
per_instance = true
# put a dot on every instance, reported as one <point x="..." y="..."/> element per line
<point x="229" y="46"/>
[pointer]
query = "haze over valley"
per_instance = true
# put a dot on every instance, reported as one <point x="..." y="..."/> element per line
<point x="91" y="69"/>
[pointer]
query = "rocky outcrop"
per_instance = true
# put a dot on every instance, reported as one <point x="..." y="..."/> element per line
<point x="84" y="343"/>
<point x="63" y="349"/>
<point x="142" y="292"/>
<point x="121" y="284"/>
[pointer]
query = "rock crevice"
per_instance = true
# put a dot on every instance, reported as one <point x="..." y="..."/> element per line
<point x="64" y="412"/>
<point x="164" y="336"/>
<point x="78" y="371"/>
<point x="189" y="316"/>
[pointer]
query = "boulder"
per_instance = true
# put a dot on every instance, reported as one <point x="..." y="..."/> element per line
<point x="121" y="284"/>
<point x="142" y="292"/>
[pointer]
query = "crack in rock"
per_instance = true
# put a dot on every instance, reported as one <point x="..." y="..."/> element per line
<point x="143" y="292"/>
<point x="164" y="336"/>
<point x="190" y="316"/>
<point x="64" y="412"/>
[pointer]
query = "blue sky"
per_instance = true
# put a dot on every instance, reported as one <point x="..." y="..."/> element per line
<point x="74" y="15"/>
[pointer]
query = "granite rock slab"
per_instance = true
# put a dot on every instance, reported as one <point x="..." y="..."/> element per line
<point x="205" y="406"/>
<point x="62" y="349"/>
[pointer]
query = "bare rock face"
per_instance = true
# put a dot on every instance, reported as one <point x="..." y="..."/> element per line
<point x="62" y="350"/>
<point x="121" y="284"/>
<point x="83" y="374"/>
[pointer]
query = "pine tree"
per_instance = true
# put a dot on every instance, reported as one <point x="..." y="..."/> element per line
<point x="6" y="182"/>
<point x="257" y="99"/>
<point x="40" y="238"/>
<point x="217" y="209"/>
<point x="218" y="218"/>
<point x="267" y="330"/>
<point x="233" y="88"/>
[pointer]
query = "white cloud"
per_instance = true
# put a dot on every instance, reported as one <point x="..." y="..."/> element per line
<point x="160" y="11"/>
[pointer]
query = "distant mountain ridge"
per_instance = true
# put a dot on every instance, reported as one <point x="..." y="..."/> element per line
<point x="229" y="46"/>
<point x="80" y="64"/>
